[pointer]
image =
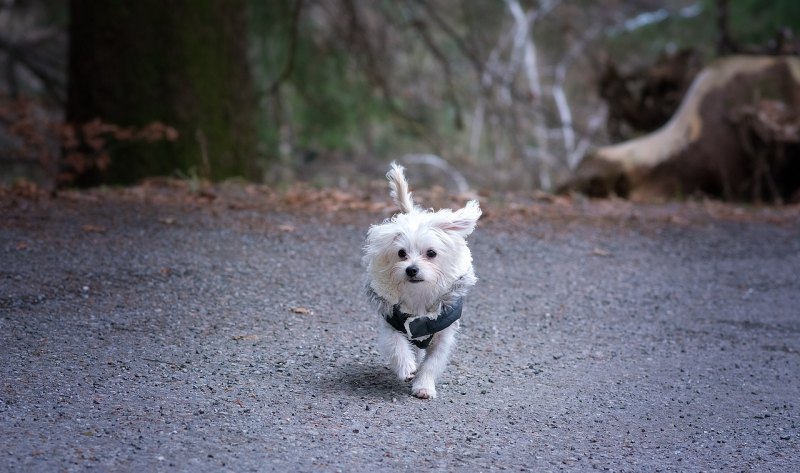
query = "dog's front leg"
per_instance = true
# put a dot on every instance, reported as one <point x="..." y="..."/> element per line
<point x="398" y="350"/>
<point x="436" y="356"/>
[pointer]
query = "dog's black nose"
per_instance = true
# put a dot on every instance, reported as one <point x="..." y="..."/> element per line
<point x="412" y="271"/>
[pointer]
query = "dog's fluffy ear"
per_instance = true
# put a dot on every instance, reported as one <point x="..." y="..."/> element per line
<point x="461" y="222"/>
<point x="379" y="239"/>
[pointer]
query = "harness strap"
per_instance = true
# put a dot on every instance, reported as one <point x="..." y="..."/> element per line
<point x="424" y="327"/>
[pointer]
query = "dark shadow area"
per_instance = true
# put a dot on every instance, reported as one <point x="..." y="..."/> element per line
<point x="364" y="380"/>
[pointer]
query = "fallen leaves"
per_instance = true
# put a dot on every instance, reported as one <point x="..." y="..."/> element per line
<point x="600" y="252"/>
<point x="251" y="203"/>
<point x="88" y="228"/>
<point x="245" y="338"/>
<point x="302" y="196"/>
<point x="86" y="145"/>
<point x="24" y="189"/>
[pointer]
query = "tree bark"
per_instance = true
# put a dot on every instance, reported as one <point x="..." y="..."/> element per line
<point x="181" y="62"/>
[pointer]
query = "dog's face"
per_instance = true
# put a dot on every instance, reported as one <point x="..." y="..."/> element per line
<point x="416" y="257"/>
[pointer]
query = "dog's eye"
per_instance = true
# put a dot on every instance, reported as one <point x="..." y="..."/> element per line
<point x="431" y="254"/>
<point x="402" y="254"/>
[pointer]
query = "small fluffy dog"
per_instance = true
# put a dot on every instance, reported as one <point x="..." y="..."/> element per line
<point x="418" y="271"/>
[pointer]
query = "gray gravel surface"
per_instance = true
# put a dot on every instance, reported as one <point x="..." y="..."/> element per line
<point x="144" y="337"/>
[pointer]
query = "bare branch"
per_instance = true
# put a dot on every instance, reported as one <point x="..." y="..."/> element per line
<point x="596" y="121"/>
<point x="422" y="28"/>
<point x="524" y="42"/>
<point x="435" y="161"/>
<point x="288" y="67"/>
<point x="471" y="55"/>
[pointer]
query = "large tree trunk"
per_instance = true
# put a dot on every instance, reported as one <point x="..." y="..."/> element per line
<point x="180" y="62"/>
<point x="734" y="136"/>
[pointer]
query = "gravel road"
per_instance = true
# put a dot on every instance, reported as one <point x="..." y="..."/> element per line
<point x="140" y="335"/>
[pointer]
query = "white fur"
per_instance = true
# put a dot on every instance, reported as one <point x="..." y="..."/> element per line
<point x="399" y="189"/>
<point x="416" y="232"/>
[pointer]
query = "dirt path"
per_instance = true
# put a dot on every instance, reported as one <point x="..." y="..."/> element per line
<point x="141" y="334"/>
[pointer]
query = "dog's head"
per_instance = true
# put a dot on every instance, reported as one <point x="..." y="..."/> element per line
<point x="415" y="257"/>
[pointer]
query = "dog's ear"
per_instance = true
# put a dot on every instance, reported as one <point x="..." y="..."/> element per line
<point x="380" y="238"/>
<point x="461" y="222"/>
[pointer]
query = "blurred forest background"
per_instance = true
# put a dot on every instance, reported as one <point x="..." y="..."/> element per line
<point x="514" y="94"/>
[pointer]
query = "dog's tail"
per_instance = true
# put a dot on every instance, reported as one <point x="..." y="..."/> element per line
<point x="399" y="186"/>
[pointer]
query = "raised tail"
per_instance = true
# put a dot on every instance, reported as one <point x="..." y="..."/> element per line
<point x="399" y="185"/>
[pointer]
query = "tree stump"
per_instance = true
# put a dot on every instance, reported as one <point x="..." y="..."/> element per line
<point x="712" y="145"/>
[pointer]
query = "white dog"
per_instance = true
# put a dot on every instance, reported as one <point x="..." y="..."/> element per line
<point x="418" y="271"/>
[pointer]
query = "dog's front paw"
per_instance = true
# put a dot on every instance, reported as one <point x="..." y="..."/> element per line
<point x="407" y="371"/>
<point x="424" y="393"/>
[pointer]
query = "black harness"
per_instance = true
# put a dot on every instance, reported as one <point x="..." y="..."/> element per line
<point x="422" y="326"/>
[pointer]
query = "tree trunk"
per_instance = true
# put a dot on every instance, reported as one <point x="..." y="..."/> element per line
<point x="732" y="137"/>
<point x="179" y="62"/>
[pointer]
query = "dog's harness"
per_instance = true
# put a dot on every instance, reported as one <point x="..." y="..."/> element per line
<point x="420" y="329"/>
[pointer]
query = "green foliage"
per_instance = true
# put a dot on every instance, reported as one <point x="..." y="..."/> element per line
<point x="757" y="21"/>
<point x="642" y="45"/>
<point x="371" y="88"/>
<point x="329" y="103"/>
<point x="752" y="23"/>
<point x="323" y="99"/>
